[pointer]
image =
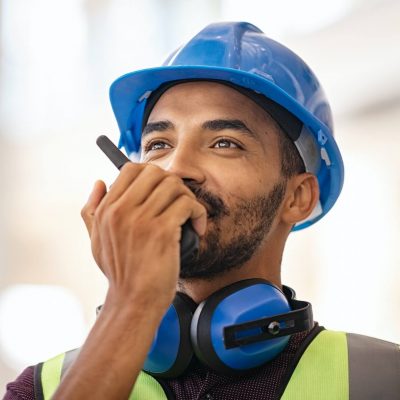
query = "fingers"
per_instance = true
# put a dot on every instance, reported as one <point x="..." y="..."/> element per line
<point x="129" y="172"/>
<point x="147" y="191"/>
<point x="184" y="208"/>
<point x="98" y="192"/>
<point x="147" y="185"/>
<point x="139" y="179"/>
<point x="165" y="188"/>
<point x="146" y="182"/>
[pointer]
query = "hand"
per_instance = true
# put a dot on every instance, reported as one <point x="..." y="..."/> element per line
<point x="135" y="230"/>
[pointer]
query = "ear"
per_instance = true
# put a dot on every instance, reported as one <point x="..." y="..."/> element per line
<point x="302" y="194"/>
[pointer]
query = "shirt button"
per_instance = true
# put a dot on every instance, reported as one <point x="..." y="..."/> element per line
<point x="208" y="396"/>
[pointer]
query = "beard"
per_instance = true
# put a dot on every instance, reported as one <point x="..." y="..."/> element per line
<point x="250" y="222"/>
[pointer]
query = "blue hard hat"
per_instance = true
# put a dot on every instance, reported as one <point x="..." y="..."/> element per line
<point x="239" y="54"/>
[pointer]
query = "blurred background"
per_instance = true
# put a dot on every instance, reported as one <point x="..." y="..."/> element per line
<point x="57" y="60"/>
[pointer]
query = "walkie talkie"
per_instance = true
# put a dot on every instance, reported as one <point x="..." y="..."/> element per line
<point x="189" y="238"/>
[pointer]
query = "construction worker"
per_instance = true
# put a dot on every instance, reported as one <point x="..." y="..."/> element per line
<point x="235" y="136"/>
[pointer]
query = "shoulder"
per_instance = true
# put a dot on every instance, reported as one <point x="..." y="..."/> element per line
<point x="28" y="385"/>
<point x="376" y="358"/>
<point x="346" y="365"/>
<point x="372" y="345"/>
<point x="358" y="349"/>
<point x="22" y="387"/>
<point x="361" y="347"/>
<point x="371" y="365"/>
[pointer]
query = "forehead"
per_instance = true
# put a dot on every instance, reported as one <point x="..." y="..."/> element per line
<point x="190" y="107"/>
<point x="210" y="98"/>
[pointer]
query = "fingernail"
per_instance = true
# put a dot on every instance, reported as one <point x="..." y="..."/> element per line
<point x="200" y="225"/>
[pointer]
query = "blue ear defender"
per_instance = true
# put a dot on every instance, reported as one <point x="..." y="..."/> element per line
<point x="171" y="351"/>
<point x="245" y="325"/>
<point x="238" y="328"/>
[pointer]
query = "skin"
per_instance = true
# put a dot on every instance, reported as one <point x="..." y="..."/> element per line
<point x="135" y="227"/>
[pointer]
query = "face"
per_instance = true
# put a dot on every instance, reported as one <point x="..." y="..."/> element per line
<point x="225" y="148"/>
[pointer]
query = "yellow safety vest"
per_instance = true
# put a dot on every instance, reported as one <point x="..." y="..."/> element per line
<point x="334" y="366"/>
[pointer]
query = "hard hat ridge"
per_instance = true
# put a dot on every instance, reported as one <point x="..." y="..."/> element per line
<point x="207" y="48"/>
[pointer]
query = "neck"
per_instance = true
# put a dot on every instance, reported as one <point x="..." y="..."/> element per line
<point x="264" y="264"/>
<point x="260" y="266"/>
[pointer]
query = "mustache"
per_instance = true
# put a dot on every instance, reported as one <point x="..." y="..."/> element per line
<point x="216" y="206"/>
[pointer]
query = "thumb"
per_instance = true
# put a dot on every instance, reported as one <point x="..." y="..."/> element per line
<point x="98" y="192"/>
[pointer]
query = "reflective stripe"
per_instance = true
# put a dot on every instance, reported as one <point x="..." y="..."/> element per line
<point x="374" y="368"/>
<point x="51" y="375"/>
<point x="69" y="358"/>
<point x="322" y="372"/>
<point x="147" y="388"/>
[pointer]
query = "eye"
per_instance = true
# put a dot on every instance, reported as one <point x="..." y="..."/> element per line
<point x="226" y="144"/>
<point x="155" y="145"/>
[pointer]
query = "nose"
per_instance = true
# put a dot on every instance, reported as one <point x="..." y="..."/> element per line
<point x="186" y="164"/>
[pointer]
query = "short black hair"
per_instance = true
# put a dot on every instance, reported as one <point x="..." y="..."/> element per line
<point x="291" y="161"/>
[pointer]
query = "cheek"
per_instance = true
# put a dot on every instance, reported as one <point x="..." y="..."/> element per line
<point x="240" y="183"/>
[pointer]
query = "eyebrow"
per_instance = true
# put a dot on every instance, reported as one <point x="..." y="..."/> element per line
<point x="232" y="124"/>
<point x="212" y="125"/>
<point x="159" y="126"/>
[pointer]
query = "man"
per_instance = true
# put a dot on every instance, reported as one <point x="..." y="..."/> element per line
<point x="235" y="135"/>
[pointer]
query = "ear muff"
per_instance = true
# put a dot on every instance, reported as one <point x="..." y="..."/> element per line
<point x="171" y="351"/>
<point x="235" y="330"/>
<point x="238" y="306"/>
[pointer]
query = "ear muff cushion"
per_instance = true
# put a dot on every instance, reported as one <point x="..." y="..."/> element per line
<point x="171" y="351"/>
<point x="243" y="301"/>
